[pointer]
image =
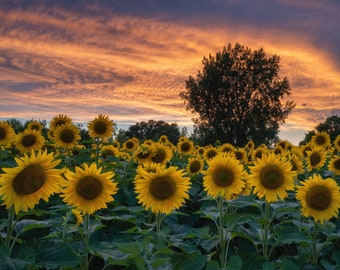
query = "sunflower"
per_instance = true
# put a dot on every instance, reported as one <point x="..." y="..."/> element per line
<point x="271" y="176"/>
<point x="210" y="152"/>
<point x="259" y="152"/>
<point x="319" y="198"/>
<point x="305" y="148"/>
<point x="297" y="164"/>
<point x="108" y="152"/>
<point x="29" y="140"/>
<point x="35" y="125"/>
<point x="89" y="189"/>
<point x="334" y="165"/>
<point x="226" y="148"/>
<point x="58" y="120"/>
<point x="7" y="133"/>
<point x="162" y="191"/>
<point x="101" y="127"/>
<point x="284" y="144"/>
<point x="163" y="139"/>
<point x="130" y="145"/>
<point x="185" y="147"/>
<point x="321" y="139"/>
<point x="161" y="153"/>
<point x="249" y="146"/>
<point x="225" y="176"/>
<point x="34" y="178"/>
<point x="316" y="158"/>
<point x="337" y="143"/>
<point x="241" y="155"/>
<point x="66" y="135"/>
<point x="199" y="150"/>
<point x="195" y="165"/>
<point x="142" y="154"/>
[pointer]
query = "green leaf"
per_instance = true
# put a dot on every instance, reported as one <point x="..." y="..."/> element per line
<point x="288" y="233"/>
<point x="234" y="262"/>
<point x="231" y="220"/>
<point x="188" y="261"/>
<point x="52" y="256"/>
<point x="288" y="265"/>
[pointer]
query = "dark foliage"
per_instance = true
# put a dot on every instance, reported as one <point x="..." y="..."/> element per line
<point x="238" y="97"/>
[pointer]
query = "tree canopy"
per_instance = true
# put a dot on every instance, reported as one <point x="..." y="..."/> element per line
<point x="153" y="129"/>
<point x="239" y="96"/>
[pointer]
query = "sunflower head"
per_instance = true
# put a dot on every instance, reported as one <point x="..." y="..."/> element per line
<point x="35" y="125"/>
<point x="226" y="148"/>
<point x="29" y="140"/>
<point x="66" y="135"/>
<point x="225" y="176"/>
<point x="334" y="165"/>
<point x="161" y="153"/>
<point x="162" y="190"/>
<point x="319" y="198"/>
<point x="185" y="147"/>
<point x="142" y="154"/>
<point x="131" y="144"/>
<point x="7" y="133"/>
<point x="210" y="152"/>
<point x="101" y="127"/>
<point x="58" y="120"/>
<point x="316" y="158"/>
<point x="241" y="155"/>
<point x="195" y="165"/>
<point x="337" y="143"/>
<point x="88" y="188"/>
<point x="258" y="153"/>
<point x="321" y="139"/>
<point x="34" y="178"/>
<point x="271" y="176"/>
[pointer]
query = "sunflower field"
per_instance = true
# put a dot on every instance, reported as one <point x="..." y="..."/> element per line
<point x="100" y="204"/>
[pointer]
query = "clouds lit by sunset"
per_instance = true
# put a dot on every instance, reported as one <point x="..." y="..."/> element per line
<point x="130" y="59"/>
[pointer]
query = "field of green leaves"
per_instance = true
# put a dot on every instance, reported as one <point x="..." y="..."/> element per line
<point x="100" y="204"/>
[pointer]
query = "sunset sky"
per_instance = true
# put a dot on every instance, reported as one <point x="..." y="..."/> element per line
<point x="130" y="59"/>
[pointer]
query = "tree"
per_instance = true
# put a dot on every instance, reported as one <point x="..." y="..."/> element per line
<point x="331" y="126"/>
<point x="238" y="96"/>
<point x="154" y="130"/>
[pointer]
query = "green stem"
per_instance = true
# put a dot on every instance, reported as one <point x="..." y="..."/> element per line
<point x="265" y="231"/>
<point x="221" y="233"/>
<point x="86" y="240"/>
<point x="159" y="222"/>
<point x="315" y="251"/>
<point x="10" y="228"/>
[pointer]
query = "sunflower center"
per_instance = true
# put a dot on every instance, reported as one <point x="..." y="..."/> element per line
<point x="258" y="154"/>
<point x="29" y="180"/>
<point x="318" y="197"/>
<point x="67" y="136"/>
<point x="195" y="166"/>
<point x="28" y="140"/>
<point x="320" y="140"/>
<point x="162" y="187"/>
<point x="89" y="187"/>
<point x="35" y="127"/>
<point x="239" y="155"/>
<point x="211" y="154"/>
<point x="337" y="164"/>
<point x="2" y="133"/>
<point x="144" y="154"/>
<point x="315" y="159"/>
<point x="130" y="145"/>
<point x="185" y="147"/>
<point x="271" y="177"/>
<point x="223" y="177"/>
<point x="159" y="157"/>
<point x="107" y="153"/>
<point x="100" y="127"/>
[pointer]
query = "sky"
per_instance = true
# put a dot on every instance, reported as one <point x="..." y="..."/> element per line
<point x="129" y="59"/>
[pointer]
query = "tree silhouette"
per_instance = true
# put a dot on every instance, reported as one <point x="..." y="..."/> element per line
<point x="238" y="97"/>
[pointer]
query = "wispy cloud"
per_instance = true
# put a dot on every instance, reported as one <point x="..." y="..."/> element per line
<point x="131" y="63"/>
